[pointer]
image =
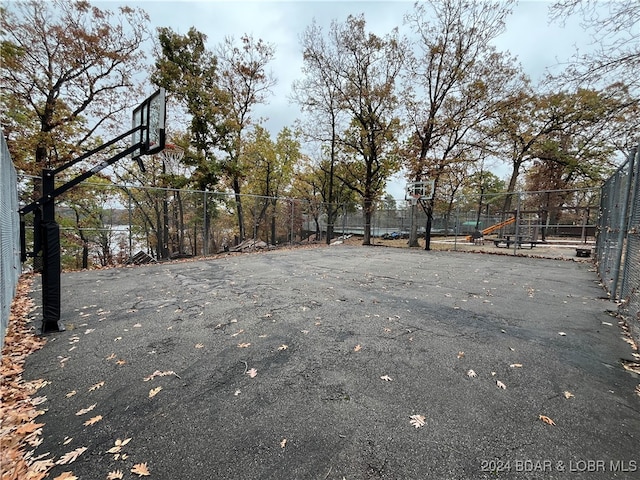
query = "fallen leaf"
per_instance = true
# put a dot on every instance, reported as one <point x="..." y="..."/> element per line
<point x="111" y="357"/>
<point x="158" y="373"/>
<point x="66" y="476"/>
<point x="244" y="345"/>
<point x="86" y="410"/>
<point x="567" y="394"/>
<point x="460" y="354"/>
<point x="121" y="362"/>
<point x="631" y="366"/>
<point x="118" y="445"/>
<point x="115" y="475"/>
<point x="67" y="440"/>
<point x="141" y="470"/>
<point x="252" y="372"/>
<point x="96" y="386"/>
<point x="501" y="385"/>
<point x="93" y="420"/>
<point x="546" y="420"/>
<point x="386" y="378"/>
<point x="471" y="374"/>
<point x="237" y="333"/>
<point x="283" y="443"/>
<point x="357" y="348"/>
<point x="154" y="391"/>
<point x="417" y="421"/>
<point x="516" y="365"/>
<point x="199" y="345"/>
<point x="28" y="428"/>
<point x="72" y="456"/>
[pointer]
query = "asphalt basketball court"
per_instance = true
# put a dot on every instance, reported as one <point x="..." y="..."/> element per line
<point x="340" y="362"/>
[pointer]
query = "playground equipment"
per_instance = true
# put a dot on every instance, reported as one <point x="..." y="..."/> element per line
<point x="493" y="228"/>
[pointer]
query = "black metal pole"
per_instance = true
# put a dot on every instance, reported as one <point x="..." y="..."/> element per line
<point x="50" y="232"/>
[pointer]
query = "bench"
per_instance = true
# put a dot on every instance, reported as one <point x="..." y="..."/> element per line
<point x="519" y="241"/>
<point x="583" y="252"/>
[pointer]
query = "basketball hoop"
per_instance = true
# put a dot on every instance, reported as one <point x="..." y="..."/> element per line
<point x="413" y="198"/>
<point x="418" y="191"/>
<point x="172" y="155"/>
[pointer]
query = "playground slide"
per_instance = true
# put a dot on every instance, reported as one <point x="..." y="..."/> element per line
<point x="493" y="228"/>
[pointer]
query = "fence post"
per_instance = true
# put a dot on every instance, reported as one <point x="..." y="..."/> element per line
<point x="623" y="222"/>
<point x="130" y="226"/>
<point x="515" y="243"/>
<point x="205" y="225"/>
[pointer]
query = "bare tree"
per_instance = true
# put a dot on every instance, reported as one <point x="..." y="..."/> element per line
<point x="448" y="87"/>
<point x="247" y="82"/>
<point x="615" y="34"/>
<point x="358" y="71"/>
<point x="63" y="63"/>
<point x="317" y="94"/>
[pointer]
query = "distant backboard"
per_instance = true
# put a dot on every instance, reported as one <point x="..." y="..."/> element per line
<point x="150" y="114"/>
<point x="420" y="190"/>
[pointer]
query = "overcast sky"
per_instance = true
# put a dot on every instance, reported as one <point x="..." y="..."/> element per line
<point x="529" y="35"/>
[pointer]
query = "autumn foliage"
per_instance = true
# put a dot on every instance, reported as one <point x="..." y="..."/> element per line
<point x="19" y="432"/>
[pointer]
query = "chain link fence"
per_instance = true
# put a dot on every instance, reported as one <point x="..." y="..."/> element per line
<point x="10" y="268"/>
<point x="618" y="244"/>
<point x="105" y="224"/>
<point x="550" y="217"/>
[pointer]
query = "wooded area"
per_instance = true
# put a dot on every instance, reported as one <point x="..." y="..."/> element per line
<point x="433" y="98"/>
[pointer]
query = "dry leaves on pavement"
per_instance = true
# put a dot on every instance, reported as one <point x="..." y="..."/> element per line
<point x="17" y="408"/>
<point x="92" y="420"/>
<point x="141" y="470"/>
<point x="71" y="456"/>
<point x="66" y="476"/>
<point x="154" y="391"/>
<point x="417" y="421"/>
<point x="546" y="420"/>
<point x="118" y="445"/>
<point x="86" y="410"/>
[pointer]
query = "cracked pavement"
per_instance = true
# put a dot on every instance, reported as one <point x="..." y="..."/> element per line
<point x="323" y="325"/>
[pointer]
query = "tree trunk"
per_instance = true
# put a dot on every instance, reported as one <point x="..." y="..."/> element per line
<point x="413" y="232"/>
<point x="239" y="212"/>
<point x="368" y="207"/>
<point x="427" y="231"/>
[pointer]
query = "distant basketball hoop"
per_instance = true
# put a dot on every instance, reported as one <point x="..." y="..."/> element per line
<point x="417" y="191"/>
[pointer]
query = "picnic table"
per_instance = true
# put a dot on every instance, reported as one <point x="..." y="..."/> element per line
<point x="519" y="240"/>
